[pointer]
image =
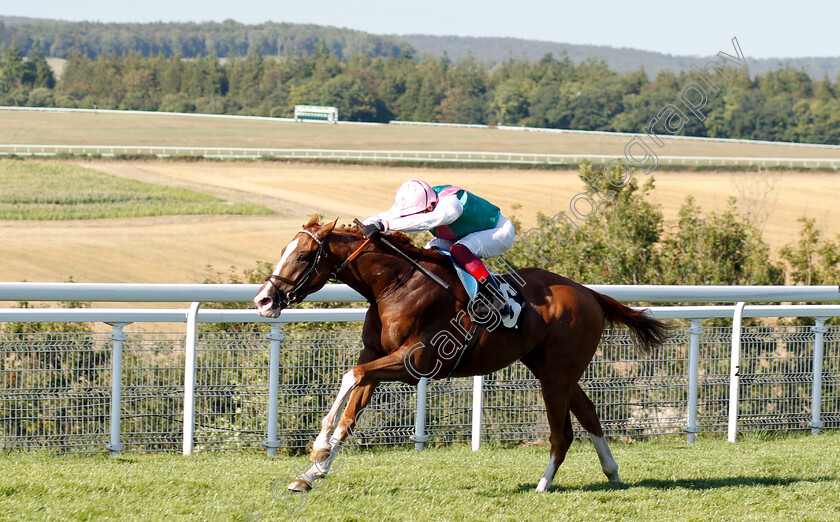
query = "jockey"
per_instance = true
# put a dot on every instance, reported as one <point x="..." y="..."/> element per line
<point x="465" y="225"/>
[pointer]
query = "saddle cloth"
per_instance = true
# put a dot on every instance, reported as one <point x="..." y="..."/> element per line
<point x="510" y="290"/>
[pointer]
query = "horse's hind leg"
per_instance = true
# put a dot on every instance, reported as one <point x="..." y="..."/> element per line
<point x="584" y="411"/>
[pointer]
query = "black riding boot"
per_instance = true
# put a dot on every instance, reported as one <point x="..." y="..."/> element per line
<point x="492" y="300"/>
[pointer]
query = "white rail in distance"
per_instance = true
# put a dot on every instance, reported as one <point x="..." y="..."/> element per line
<point x="163" y="151"/>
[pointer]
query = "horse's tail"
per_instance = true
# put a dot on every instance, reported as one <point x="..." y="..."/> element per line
<point x="647" y="332"/>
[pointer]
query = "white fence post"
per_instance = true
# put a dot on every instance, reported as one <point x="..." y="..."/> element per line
<point x="477" y="406"/>
<point x="420" y="437"/>
<point x="819" y="330"/>
<point x="735" y="372"/>
<point x="118" y="336"/>
<point x="693" y="377"/>
<point x="275" y="335"/>
<point x="189" y="378"/>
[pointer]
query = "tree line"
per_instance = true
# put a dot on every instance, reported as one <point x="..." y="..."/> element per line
<point x="784" y="104"/>
<point x="191" y="40"/>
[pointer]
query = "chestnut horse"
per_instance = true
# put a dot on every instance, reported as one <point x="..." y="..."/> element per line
<point x="414" y="327"/>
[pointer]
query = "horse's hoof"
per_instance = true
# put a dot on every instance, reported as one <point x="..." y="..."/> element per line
<point x="613" y="477"/>
<point x="299" y="485"/>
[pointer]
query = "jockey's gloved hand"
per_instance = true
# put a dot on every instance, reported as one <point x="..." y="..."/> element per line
<point x="371" y="229"/>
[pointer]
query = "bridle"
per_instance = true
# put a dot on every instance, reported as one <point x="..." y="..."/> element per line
<point x="301" y="287"/>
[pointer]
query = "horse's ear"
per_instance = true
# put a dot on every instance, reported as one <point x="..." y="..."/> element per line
<point x="328" y="228"/>
<point x="313" y="222"/>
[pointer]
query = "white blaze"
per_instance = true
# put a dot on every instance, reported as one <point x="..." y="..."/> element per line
<point x="265" y="309"/>
<point x="286" y="253"/>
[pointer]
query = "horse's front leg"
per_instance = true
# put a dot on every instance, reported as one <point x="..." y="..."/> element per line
<point x="330" y="421"/>
<point x="324" y="457"/>
<point x="322" y="441"/>
<point x="360" y="383"/>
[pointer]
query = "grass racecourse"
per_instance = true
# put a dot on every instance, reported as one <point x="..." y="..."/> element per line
<point x="784" y="478"/>
<point x="159" y="129"/>
<point x="56" y="191"/>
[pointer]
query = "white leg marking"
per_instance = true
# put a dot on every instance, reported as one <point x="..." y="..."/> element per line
<point x="322" y="441"/>
<point x="312" y="474"/>
<point x="545" y="481"/>
<point x="321" y="467"/>
<point x="348" y="382"/>
<point x="608" y="463"/>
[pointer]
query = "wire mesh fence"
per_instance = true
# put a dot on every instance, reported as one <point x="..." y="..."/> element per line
<point x="56" y="389"/>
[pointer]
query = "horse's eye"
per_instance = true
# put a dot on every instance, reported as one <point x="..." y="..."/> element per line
<point x="304" y="256"/>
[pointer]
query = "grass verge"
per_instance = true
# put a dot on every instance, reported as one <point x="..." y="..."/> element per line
<point x="769" y="477"/>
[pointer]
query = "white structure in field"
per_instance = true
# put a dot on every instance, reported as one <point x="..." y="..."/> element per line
<point x="316" y="113"/>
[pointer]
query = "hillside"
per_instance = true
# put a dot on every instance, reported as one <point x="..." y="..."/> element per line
<point x="64" y="39"/>
<point x="17" y="20"/>
<point x="492" y="51"/>
<point x="59" y="38"/>
<point x="127" y="128"/>
<point x="178" y="248"/>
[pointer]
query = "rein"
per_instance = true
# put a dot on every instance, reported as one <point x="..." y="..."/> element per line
<point x="408" y="258"/>
<point x="301" y="286"/>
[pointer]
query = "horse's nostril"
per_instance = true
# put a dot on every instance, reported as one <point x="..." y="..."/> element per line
<point x="265" y="302"/>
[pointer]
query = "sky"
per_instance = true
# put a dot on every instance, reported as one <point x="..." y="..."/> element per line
<point x="772" y="28"/>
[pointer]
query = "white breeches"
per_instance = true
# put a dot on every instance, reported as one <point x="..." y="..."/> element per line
<point x="484" y="243"/>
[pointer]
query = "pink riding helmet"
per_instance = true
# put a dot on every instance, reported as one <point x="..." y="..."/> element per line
<point x="413" y="196"/>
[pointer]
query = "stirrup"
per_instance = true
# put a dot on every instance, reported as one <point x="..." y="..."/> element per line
<point x="493" y="298"/>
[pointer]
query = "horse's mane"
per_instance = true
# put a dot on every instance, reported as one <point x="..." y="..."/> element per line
<point x="403" y="241"/>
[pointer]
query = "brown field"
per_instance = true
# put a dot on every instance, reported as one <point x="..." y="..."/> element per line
<point x="53" y="128"/>
<point x="177" y="249"/>
<point x="57" y="65"/>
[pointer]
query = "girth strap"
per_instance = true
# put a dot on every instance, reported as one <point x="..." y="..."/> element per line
<point x="466" y="350"/>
